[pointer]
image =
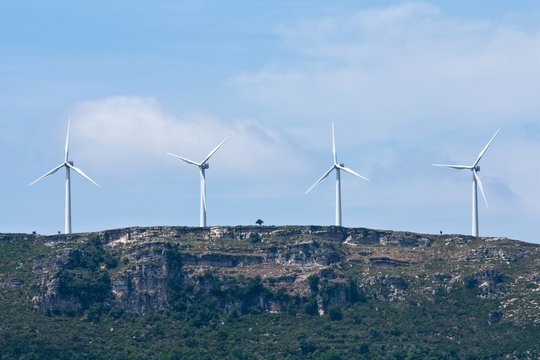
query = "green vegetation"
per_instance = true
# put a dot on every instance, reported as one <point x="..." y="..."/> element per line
<point x="221" y="314"/>
<point x="86" y="278"/>
<point x="369" y="330"/>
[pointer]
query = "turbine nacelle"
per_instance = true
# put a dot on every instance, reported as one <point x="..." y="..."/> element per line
<point x="203" y="165"/>
<point x="69" y="165"/>
<point x="337" y="166"/>
<point x="475" y="168"/>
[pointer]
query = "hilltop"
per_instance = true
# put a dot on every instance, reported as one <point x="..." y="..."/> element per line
<point x="296" y="292"/>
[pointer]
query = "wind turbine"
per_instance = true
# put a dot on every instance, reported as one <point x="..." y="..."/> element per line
<point x="337" y="167"/>
<point x="476" y="181"/>
<point x="69" y="166"/>
<point x="203" y="166"/>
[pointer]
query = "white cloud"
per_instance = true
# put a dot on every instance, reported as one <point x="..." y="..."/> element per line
<point x="408" y="86"/>
<point x="406" y="69"/>
<point x="133" y="134"/>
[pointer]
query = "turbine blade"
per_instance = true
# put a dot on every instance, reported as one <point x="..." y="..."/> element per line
<point x="184" y="159"/>
<point x="485" y="148"/>
<point x="481" y="187"/>
<point x="350" y="171"/>
<point x="214" y="151"/>
<point x="321" y="179"/>
<point x="47" y="174"/>
<point x="80" y="172"/>
<point x="334" y="143"/>
<point x="458" y="167"/>
<point x="67" y="140"/>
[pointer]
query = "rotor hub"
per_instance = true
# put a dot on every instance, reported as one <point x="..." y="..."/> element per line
<point x="205" y="166"/>
<point x="477" y="168"/>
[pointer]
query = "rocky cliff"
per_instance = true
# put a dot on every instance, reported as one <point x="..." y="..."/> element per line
<point x="453" y="293"/>
<point x="141" y="270"/>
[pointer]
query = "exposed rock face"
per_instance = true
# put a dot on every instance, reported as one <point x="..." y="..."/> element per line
<point x="490" y="283"/>
<point x="489" y="253"/>
<point x="144" y="286"/>
<point x="50" y="266"/>
<point x="442" y="277"/>
<point x="276" y="269"/>
<point x="385" y="287"/>
<point x="387" y="262"/>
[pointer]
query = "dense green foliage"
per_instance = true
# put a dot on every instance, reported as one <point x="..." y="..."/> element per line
<point x="450" y="323"/>
<point x="85" y="278"/>
<point x="438" y="330"/>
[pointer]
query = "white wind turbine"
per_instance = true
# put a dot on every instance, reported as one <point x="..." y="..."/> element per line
<point x="69" y="166"/>
<point x="476" y="181"/>
<point x="203" y="166"/>
<point x="338" y="167"/>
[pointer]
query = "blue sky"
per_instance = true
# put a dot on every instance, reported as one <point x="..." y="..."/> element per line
<point x="407" y="83"/>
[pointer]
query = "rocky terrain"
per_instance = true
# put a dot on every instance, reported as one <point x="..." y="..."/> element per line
<point x="251" y="271"/>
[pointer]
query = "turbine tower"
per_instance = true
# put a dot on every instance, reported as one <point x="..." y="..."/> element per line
<point x="475" y="183"/>
<point x="337" y="167"/>
<point x="69" y="166"/>
<point x="203" y="166"/>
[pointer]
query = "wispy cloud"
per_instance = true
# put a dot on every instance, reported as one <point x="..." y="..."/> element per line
<point x="133" y="134"/>
<point x="411" y="67"/>
<point x="411" y="85"/>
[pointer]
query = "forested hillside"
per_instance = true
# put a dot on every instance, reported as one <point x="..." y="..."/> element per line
<point x="267" y="293"/>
